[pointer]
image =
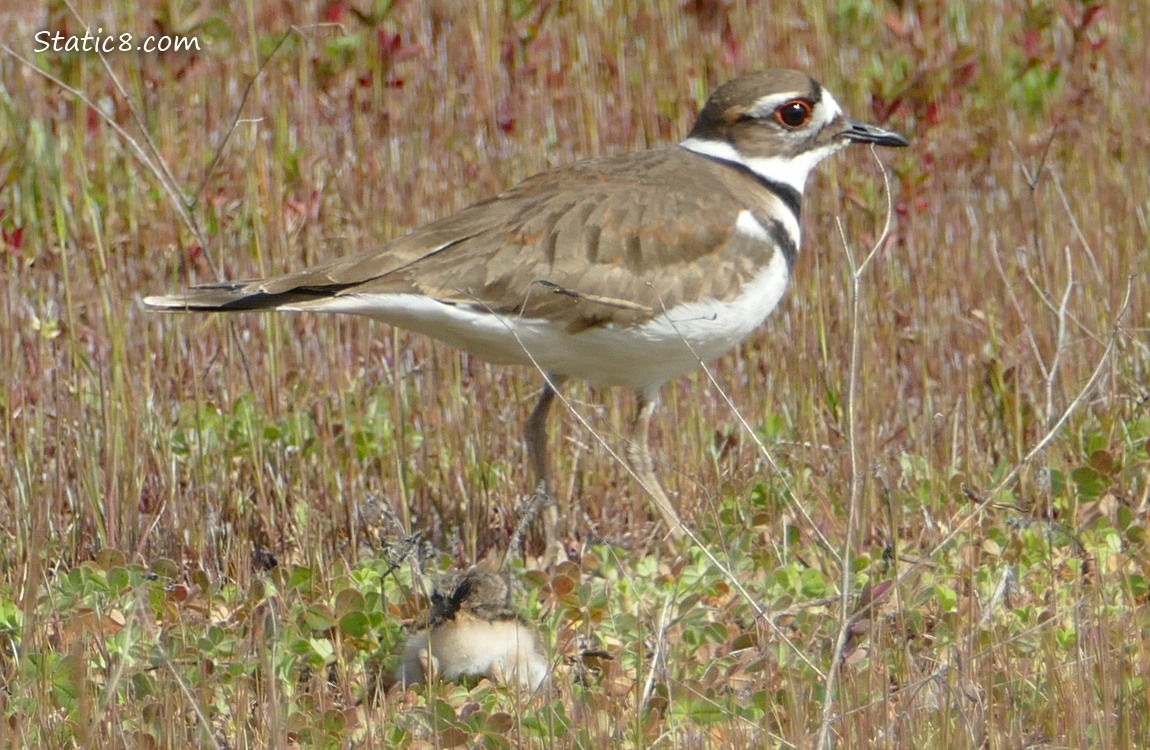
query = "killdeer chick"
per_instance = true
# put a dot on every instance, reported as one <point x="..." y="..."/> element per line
<point x="472" y="631"/>
<point x="625" y="270"/>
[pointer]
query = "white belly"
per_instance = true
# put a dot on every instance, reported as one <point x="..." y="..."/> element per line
<point x="640" y="357"/>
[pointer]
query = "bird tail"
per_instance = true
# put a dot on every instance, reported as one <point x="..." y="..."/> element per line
<point x="229" y="297"/>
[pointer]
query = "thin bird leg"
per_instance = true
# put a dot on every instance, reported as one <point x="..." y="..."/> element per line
<point x="537" y="437"/>
<point x="639" y="458"/>
<point x="541" y="466"/>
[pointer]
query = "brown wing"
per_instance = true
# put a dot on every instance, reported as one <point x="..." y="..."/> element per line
<point x="612" y="239"/>
<point x="616" y="247"/>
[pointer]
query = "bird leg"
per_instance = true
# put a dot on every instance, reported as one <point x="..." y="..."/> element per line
<point x="639" y="459"/>
<point x="536" y="434"/>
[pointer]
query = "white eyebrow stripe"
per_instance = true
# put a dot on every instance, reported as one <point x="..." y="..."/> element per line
<point x="827" y="110"/>
<point x="765" y="105"/>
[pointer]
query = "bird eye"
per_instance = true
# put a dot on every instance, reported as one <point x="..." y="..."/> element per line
<point x="794" y="114"/>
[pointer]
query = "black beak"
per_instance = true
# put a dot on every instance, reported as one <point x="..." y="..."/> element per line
<point x="858" y="132"/>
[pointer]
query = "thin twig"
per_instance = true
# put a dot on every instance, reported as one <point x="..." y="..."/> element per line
<point x="1016" y="304"/>
<point x="660" y="649"/>
<point x="1074" y="225"/>
<point x="243" y="102"/>
<point x="766" y="454"/>
<point x="846" y="571"/>
<point x="157" y="163"/>
<point x="1060" y="338"/>
<point x="134" y="146"/>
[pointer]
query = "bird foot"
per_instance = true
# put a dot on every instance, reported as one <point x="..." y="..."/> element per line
<point x="540" y="501"/>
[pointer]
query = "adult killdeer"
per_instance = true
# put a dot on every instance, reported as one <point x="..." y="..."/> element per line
<point x="623" y="270"/>
<point x="471" y="631"/>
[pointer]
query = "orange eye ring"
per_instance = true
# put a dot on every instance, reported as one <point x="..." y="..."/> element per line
<point x="794" y="114"/>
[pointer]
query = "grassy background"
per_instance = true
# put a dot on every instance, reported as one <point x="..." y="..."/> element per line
<point x="204" y="518"/>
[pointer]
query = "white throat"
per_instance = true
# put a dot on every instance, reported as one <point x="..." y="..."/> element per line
<point x="791" y="171"/>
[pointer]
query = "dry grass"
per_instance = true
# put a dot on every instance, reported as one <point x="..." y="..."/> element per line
<point x="193" y="553"/>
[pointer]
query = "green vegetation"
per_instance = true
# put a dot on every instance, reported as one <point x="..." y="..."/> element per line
<point x="214" y="530"/>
